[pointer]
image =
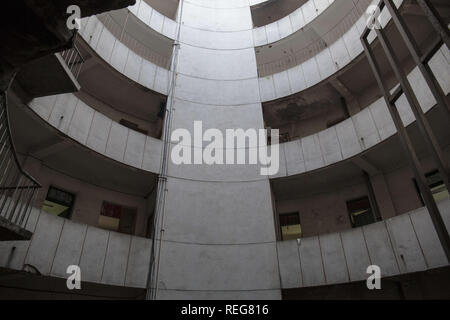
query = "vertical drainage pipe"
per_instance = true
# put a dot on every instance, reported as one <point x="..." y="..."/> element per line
<point x="158" y="222"/>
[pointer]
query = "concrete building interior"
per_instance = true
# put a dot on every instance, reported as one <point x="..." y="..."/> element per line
<point x="357" y="89"/>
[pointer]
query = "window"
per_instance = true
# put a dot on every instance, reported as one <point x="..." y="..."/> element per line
<point x="132" y="126"/>
<point x="436" y="185"/>
<point x="117" y="218"/>
<point x="59" y="202"/>
<point x="360" y="212"/>
<point x="290" y="226"/>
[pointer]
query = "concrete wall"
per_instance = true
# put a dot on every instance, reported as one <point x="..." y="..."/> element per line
<point x="297" y="129"/>
<point x="403" y="244"/>
<point x="103" y="256"/>
<point x="324" y="212"/>
<point x="219" y="240"/>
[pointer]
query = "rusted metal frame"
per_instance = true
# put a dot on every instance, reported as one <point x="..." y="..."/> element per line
<point x="4" y="143"/>
<point x="33" y="199"/>
<point x="14" y="199"/>
<point x="22" y="203"/>
<point x="421" y="120"/>
<point x="413" y="48"/>
<point x="16" y="204"/>
<point x="28" y="206"/>
<point x="14" y="180"/>
<point x="435" y="20"/>
<point x="4" y="176"/>
<point x="21" y="187"/>
<point x="11" y="143"/>
<point x="410" y="153"/>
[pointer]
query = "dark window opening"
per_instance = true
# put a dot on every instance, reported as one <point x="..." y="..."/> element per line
<point x="360" y="212"/>
<point x="59" y="202"/>
<point x="284" y="137"/>
<point x="290" y="226"/>
<point x="335" y="122"/>
<point x="132" y="126"/>
<point x="437" y="187"/>
<point x="118" y="218"/>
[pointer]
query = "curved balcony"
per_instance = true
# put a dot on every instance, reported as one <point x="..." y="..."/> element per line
<point x="404" y="244"/>
<point x="164" y="24"/>
<point x="122" y="58"/>
<point x="105" y="257"/>
<point x="265" y="12"/>
<point x="400" y="245"/>
<point x="88" y="168"/>
<point x="298" y="19"/>
<point x="93" y="129"/>
<point x="280" y="49"/>
<point x="367" y="128"/>
<point x="328" y="52"/>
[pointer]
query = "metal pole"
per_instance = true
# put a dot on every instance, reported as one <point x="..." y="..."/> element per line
<point x="410" y="153"/>
<point x="162" y="183"/>
<point x="421" y="120"/>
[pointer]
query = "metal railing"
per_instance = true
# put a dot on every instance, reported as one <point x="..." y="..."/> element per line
<point x="18" y="189"/>
<point x="73" y="59"/>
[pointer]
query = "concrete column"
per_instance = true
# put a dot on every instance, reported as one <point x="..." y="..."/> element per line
<point x="219" y="237"/>
<point x="382" y="196"/>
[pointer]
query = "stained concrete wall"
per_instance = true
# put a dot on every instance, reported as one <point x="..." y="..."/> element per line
<point x="323" y="210"/>
<point x="219" y="240"/>
<point x="403" y="244"/>
<point x="103" y="256"/>
<point x="116" y="115"/>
